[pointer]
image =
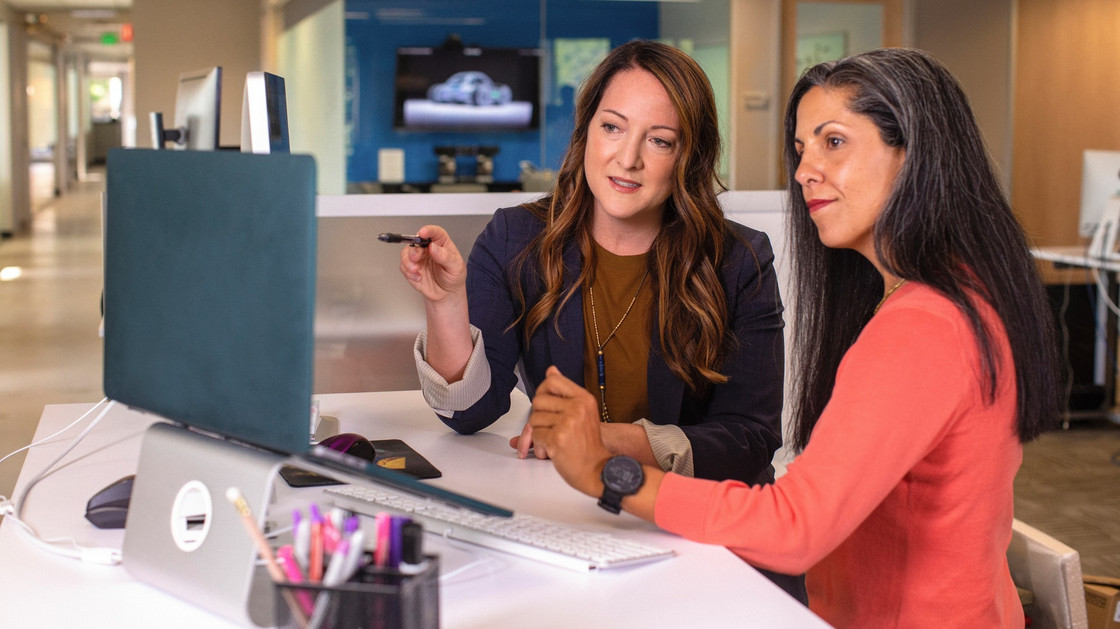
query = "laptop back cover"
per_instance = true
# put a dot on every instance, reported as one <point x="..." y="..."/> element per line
<point x="210" y="289"/>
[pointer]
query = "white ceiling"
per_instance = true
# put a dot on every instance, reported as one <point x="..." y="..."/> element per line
<point x="78" y="25"/>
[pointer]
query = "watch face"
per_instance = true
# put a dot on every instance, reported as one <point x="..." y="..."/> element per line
<point x="623" y="474"/>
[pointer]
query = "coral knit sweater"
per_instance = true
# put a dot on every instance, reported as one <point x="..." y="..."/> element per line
<point x="900" y="507"/>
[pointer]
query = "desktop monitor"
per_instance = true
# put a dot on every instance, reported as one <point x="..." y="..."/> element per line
<point x="197" y="112"/>
<point x="264" y="115"/>
<point x="1100" y="182"/>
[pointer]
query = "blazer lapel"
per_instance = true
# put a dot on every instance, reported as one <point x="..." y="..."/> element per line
<point x="666" y="391"/>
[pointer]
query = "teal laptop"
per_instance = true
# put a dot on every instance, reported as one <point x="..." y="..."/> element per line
<point x="210" y="291"/>
<point x="210" y="300"/>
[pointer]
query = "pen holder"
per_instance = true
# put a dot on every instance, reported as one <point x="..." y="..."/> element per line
<point x="374" y="598"/>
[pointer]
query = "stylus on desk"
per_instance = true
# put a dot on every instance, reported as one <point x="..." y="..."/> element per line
<point x="411" y="239"/>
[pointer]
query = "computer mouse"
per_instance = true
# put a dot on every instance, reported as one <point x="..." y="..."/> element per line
<point x="352" y="444"/>
<point x="108" y="508"/>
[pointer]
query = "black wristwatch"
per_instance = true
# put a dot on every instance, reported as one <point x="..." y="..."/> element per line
<point x="622" y="476"/>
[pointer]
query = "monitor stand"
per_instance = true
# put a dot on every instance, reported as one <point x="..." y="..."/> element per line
<point x="182" y="534"/>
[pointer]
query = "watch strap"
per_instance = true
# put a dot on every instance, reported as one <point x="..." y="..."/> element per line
<point x="611" y="500"/>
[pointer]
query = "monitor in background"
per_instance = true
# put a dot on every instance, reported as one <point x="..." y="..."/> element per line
<point x="467" y="89"/>
<point x="197" y="111"/>
<point x="1100" y="181"/>
<point x="264" y="115"/>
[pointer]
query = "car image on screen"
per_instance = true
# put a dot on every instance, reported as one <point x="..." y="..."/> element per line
<point x="470" y="88"/>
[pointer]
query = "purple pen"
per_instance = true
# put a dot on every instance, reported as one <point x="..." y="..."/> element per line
<point x="395" y="540"/>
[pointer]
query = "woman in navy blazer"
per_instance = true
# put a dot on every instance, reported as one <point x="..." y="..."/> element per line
<point x="733" y="427"/>
<point x="635" y="205"/>
<point x="638" y="181"/>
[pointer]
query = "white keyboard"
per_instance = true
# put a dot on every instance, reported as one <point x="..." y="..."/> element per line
<point x="523" y="535"/>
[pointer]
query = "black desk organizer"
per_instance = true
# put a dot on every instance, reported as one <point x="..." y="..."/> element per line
<point x="375" y="598"/>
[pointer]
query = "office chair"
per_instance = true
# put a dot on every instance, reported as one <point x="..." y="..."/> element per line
<point x="1052" y="572"/>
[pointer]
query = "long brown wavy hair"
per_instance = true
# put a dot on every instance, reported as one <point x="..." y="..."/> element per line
<point x="684" y="261"/>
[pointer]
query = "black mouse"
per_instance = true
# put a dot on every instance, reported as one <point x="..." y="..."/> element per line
<point x="352" y="444"/>
<point x="108" y="508"/>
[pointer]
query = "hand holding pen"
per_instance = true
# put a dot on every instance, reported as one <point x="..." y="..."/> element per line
<point x="437" y="271"/>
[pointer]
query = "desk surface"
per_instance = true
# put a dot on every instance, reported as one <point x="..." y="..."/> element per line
<point x="1075" y="256"/>
<point x="702" y="586"/>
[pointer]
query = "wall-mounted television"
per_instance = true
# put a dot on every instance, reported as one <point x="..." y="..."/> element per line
<point x="467" y="89"/>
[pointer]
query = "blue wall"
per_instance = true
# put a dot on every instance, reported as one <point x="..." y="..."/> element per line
<point x="376" y="28"/>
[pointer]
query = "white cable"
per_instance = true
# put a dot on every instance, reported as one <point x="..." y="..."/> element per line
<point x="1104" y="292"/>
<point x="19" y="499"/>
<point x="103" y="556"/>
<point x="47" y="439"/>
<point x="1065" y="350"/>
<point x="13" y="509"/>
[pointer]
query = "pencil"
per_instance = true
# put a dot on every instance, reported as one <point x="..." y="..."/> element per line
<point x="235" y="498"/>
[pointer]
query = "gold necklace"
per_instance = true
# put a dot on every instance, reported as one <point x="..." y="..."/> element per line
<point x="604" y="414"/>
<point x="889" y="293"/>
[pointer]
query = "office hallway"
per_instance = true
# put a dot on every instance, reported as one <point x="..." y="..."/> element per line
<point x="51" y="353"/>
<point x="50" y="314"/>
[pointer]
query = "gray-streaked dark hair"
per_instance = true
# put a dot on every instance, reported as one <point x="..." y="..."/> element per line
<point x="946" y="225"/>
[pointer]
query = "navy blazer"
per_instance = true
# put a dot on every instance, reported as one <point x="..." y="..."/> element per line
<point x="734" y="428"/>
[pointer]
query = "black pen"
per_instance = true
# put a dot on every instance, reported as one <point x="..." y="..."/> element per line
<point x="411" y="239"/>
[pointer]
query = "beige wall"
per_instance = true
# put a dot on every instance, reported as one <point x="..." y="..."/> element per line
<point x="756" y="104"/>
<point x="974" y="40"/>
<point x="1067" y="99"/>
<point x="177" y="36"/>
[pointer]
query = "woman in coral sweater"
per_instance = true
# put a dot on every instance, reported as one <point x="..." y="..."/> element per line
<point x="924" y="359"/>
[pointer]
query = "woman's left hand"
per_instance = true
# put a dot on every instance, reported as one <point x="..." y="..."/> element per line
<point x="565" y="421"/>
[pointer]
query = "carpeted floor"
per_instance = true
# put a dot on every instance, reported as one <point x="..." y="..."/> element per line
<point x="1069" y="487"/>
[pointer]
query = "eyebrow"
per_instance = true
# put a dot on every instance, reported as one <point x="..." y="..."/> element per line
<point x="656" y="126"/>
<point x="817" y="130"/>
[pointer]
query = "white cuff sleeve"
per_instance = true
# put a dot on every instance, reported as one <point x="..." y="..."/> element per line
<point x="671" y="447"/>
<point x="445" y="399"/>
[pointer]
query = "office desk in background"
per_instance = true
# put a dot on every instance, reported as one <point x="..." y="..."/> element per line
<point x="704" y="586"/>
<point x="1105" y="344"/>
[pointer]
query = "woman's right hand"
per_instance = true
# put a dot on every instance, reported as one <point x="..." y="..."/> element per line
<point x="438" y="270"/>
<point x="439" y="274"/>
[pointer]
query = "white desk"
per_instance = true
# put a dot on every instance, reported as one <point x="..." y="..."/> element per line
<point x="1075" y="256"/>
<point x="704" y="586"/>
